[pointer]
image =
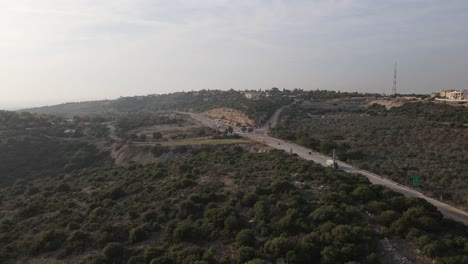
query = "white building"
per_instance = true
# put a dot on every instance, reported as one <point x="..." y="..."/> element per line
<point x="252" y="95"/>
<point x="457" y="95"/>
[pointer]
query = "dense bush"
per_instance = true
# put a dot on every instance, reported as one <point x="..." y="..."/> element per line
<point x="128" y="121"/>
<point x="239" y="207"/>
<point x="33" y="146"/>
<point x="407" y="141"/>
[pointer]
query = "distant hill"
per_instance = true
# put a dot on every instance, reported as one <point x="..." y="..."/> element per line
<point x="34" y="146"/>
<point x="259" y="109"/>
<point x="72" y="109"/>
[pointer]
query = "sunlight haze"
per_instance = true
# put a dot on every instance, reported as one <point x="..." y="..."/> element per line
<point x="54" y="51"/>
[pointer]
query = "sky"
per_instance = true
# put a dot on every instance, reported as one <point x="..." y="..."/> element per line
<point x="55" y="51"/>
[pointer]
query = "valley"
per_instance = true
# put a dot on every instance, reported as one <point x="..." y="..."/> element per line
<point x="183" y="187"/>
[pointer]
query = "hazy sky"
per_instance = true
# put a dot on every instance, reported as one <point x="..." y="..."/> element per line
<point x="53" y="51"/>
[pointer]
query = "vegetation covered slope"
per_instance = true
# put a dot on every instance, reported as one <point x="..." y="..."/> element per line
<point x="439" y="112"/>
<point x="218" y="207"/>
<point x="417" y="139"/>
<point x="34" y="146"/>
<point x="259" y="110"/>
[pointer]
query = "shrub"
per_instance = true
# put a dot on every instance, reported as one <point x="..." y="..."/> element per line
<point x="184" y="232"/>
<point x="162" y="260"/>
<point x="29" y="210"/>
<point x="138" y="234"/>
<point x="49" y="240"/>
<point x="261" y="211"/>
<point x="136" y="260"/>
<point x="77" y="241"/>
<point x="387" y="217"/>
<point x="73" y="226"/>
<point x="278" y="246"/>
<point x="113" y="251"/>
<point x="157" y="135"/>
<point x="159" y="150"/>
<point x="245" y="237"/>
<point x="256" y="261"/>
<point x="63" y="187"/>
<point x="249" y="199"/>
<point x="246" y="254"/>
<point x="151" y="253"/>
<point x="364" y="193"/>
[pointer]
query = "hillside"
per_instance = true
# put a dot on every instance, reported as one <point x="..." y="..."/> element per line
<point x="221" y="207"/>
<point x="34" y="146"/>
<point x="389" y="103"/>
<point x="229" y="117"/>
<point x="72" y="109"/>
<point x="258" y="110"/>
<point x="416" y="139"/>
<point x="165" y="189"/>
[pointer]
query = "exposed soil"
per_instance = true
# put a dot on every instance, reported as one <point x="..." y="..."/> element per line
<point x="125" y="153"/>
<point x="394" y="102"/>
<point x="396" y="250"/>
<point x="229" y="117"/>
<point x="187" y="128"/>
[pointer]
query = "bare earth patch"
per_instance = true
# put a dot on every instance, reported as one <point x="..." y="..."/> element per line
<point x="229" y="117"/>
<point x="395" y="250"/>
<point x="390" y="103"/>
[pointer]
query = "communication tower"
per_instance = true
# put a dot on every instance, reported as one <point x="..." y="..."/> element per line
<point x="394" y="79"/>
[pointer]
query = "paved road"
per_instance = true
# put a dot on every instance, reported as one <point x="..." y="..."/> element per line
<point x="271" y="122"/>
<point x="260" y="135"/>
<point x="445" y="209"/>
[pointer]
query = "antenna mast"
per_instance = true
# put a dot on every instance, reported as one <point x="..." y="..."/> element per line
<point x="394" y="79"/>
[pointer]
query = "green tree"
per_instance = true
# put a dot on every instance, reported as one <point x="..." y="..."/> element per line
<point x="245" y="237"/>
<point x="151" y="253"/>
<point x="256" y="261"/>
<point x="364" y="193"/>
<point x="157" y="135"/>
<point x="138" y="234"/>
<point x="142" y="138"/>
<point x="184" y="232"/>
<point x="114" y="252"/>
<point x="261" y="211"/>
<point x="278" y="246"/>
<point x="78" y="241"/>
<point x="246" y="254"/>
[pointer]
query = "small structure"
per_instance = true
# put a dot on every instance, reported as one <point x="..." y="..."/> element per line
<point x="69" y="132"/>
<point x="443" y="93"/>
<point x="251" y="95"/>
<point x="455" y="95"/>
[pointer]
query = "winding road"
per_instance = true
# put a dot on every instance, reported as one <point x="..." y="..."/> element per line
<point x="308" y="154"/>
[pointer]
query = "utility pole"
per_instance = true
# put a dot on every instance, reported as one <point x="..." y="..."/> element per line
<point x="394" y="79"/>
<point x="335" y="165"/>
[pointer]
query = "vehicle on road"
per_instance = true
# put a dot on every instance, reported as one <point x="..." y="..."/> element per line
<point x="332" y="163"/>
